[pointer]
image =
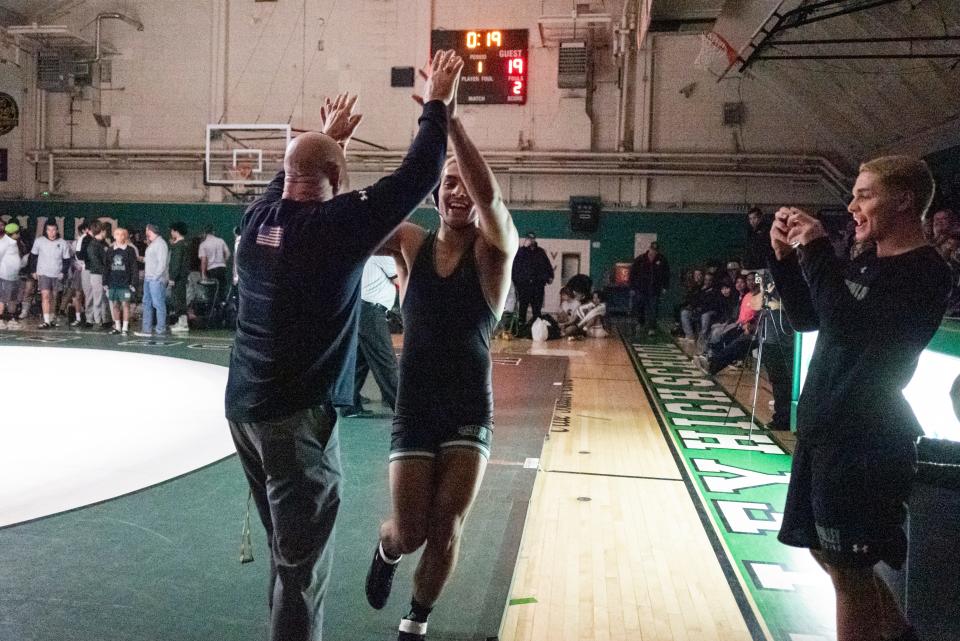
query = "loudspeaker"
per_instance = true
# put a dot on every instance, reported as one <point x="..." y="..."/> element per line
<point x="585" y="213"/>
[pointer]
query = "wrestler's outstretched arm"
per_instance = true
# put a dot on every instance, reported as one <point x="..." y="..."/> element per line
<point x="496" y="224"/>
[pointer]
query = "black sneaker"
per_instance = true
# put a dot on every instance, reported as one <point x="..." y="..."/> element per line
<point x="380" y="579"/>
<point x="46" y="326"/>
<point x="76" y="323"/>
<point x="115" y="332"/>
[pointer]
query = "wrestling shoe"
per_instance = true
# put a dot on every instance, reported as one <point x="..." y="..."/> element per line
<point x="380" y="578"/>
<point x="412" y="631"/>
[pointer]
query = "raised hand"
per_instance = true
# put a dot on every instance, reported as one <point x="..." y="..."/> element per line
<point x="442" y="79"/>
<point x="779" y="234"/>
<point x="804" y="228"/>
<point x="337" y="118"/>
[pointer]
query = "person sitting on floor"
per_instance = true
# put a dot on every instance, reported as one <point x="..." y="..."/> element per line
<point x="588" y="319"/>
<point x="568" y="306"/>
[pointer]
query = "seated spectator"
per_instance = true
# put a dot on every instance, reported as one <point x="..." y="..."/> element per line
<point x="705" y="306"/>
<point x="692" y="282"/>
<point x="733" y="272"/>
<point x="722" y="335"/>
<point x="581" y="285"/>
<point x="589" y="318"/>
<point x="568" y="306"/>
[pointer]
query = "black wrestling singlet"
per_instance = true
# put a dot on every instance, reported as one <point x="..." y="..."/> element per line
<point x="445" y="369"/>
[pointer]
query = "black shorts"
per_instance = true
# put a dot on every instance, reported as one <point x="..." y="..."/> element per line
<point x="849" y="502"/>
<point x="426" y="435"/>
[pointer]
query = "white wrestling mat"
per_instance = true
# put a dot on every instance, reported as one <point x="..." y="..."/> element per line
<point x="79" y="426"/>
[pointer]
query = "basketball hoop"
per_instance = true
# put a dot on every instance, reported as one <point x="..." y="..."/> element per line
<point x="239" y="175"/>
<point x="716" y="55"/>
<point x="242" y="171"/>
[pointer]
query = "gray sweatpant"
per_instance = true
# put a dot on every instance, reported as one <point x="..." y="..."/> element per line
<point x="292" y="464"/>
<point x="94" y="299"/>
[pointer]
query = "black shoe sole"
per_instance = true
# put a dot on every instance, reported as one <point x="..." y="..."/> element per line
<point x="379" y="580"/>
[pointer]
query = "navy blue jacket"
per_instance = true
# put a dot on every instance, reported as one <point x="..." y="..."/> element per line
<point x="300" y="265"/>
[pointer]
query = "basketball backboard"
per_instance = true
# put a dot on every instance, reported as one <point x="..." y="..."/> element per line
<point x="244" y="155"/>
<point x="736" y="26"/>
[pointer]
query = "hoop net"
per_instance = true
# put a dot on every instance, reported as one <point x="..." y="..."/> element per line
<point x="716" y="55"/>
<point x="240" y="174"/>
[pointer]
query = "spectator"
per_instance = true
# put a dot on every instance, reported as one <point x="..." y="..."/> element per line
<point x="588" y="319"/>
<point x="649" y="279"/>
<point x="155" y="277"/>
<point x="532" y="272"/>
<point x="122" y="263"/>
<point x="580" y="285"/>
<point x="733" y="272"/>
<point x="85" y="282"/>
<point x="80" y="281"/>
<point x="568" y="306"/>
<point x="729" y="305"/>
<point x="28" y="284"/>
<point x="758" y="240"/>
<point x="722" y="335"/>
<point x="10" y="264"/>
<point x="95" y="263"/>
<point x="375" y="347"/>
<point x="214" y="254"/>
<point x="53" y="259"/>
<point x="179" y="272"/>
<point x="705" y="306"/>
<point x="943" y="223"/>
<point x="950" y="252"/>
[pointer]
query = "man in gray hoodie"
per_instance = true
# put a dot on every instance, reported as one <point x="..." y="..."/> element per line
<point x="155" y="262"/>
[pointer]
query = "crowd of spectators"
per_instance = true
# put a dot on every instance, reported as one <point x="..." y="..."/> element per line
<point x="108" y="277"/>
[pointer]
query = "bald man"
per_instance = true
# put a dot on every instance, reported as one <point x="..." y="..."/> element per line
<point x="302" y="250"/>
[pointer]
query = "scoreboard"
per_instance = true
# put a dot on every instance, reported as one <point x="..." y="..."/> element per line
<point x="495" y="64"/>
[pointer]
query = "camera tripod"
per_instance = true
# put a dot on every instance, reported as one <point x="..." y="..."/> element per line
<point x="770" y="333"/>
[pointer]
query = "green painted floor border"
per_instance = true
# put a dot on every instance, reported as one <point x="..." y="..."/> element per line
<point x="737" y="479"/>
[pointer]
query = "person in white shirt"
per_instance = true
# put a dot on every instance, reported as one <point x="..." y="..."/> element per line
<point x="588" y="319"/>
<point x="156" y="260"/>
<point x="10" y="265"/>
<point x="374" y="346"/>
<point x="52" y="254"/>
<point x="214" y="254"/>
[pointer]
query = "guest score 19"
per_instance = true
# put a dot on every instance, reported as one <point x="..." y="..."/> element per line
<point x="495" y="64"/>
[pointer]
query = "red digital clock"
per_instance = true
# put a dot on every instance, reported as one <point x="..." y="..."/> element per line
<point x="495" y="64"/>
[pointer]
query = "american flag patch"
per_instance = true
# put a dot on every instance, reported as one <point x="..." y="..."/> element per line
<point x="269" y="236"/>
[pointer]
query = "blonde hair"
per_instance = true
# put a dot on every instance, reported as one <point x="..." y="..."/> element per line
<point x="907" y="174"/>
